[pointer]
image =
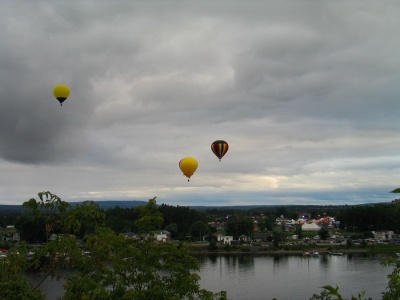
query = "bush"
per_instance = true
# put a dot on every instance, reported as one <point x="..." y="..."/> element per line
<point x="213" y="245"/>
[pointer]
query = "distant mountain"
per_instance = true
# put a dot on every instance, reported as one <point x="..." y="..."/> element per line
<point x="106" y="204"/>
<point x="4" y="208"/>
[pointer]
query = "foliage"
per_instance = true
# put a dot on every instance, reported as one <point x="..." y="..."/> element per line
<point x="150" y="218"/>
<point x="213" y="245"/>
<point x="198" y="230"/>
<point x="323" y="233"/>
<point x="370" y="217"/>
<point x="277" y="238"/>
<point x="182" y="216"/>
<point x="331" y="293"/>
<point x="109" y="266"/>
<point x="236" y="226"/>
<point x="393" y="288"/>
<point x="14" y="285"/>
<point x="128" y="268"/>
<point x="298" y="229"/>
<point x="173" y="229"/>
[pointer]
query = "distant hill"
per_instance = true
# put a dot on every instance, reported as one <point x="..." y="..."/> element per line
<point x="4" y="208"/>
<point x="106" y="204"/>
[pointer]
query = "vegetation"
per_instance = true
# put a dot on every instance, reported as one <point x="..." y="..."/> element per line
<point x="91" y="243"/>
<point x="102" y="263"/>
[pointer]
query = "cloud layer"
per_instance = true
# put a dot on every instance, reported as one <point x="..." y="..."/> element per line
<point x="305" y="93"/>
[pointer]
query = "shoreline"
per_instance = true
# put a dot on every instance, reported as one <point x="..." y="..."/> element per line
<point x="278" y="252"/>
<point x="321" y="249"/>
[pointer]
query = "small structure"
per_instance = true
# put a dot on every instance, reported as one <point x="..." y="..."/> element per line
<point x="310" y="227"/>
<point x="16" y="237"/>
<point x="244" y="238"/>
<point x="162" y="235"/>
<point x="228" y="239"/>
<point x="383" y="235"/>
<point x="261" y="236"/>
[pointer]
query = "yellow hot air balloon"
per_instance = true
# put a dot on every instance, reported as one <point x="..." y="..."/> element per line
<point x="188" y="166"/>
<point x="61" y="92"/>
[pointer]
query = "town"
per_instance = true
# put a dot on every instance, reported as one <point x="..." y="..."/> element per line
<point x="266" y="228"/>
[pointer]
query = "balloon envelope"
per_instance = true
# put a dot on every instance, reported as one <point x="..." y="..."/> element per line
<point x="61" y="92"/>
<point x="219" y="148"/>
<point x="188" y="166"/>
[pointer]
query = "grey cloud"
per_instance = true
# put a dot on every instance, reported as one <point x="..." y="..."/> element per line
<point x="295" y="87"/>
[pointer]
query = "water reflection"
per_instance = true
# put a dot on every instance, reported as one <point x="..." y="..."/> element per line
<point x="266" y="277"/>
<point x="282" y="277"/>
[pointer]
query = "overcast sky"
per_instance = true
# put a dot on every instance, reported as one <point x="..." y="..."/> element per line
<point x="306" y="93"/>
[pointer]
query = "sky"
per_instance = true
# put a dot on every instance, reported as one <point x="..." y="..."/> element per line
<point x="306" y="94"/>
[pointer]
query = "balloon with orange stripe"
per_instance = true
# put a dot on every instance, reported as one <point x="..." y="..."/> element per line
<point x="219" y="148"/>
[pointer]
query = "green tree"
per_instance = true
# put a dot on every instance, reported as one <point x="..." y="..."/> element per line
<point x="331" y="293"/>
<point x="150" y="218"/>
<point x="14" y="285"/>
<point x="245" y="226"/>
<point x="198" y="230"/>
<point x="124" y="268"/>
<point x="393" y="288"/>
<point x="298" y="229"/>
<point x="109" y="266"/>
<point x="278" y="236"/>
<point x="173" y="229"/>
<point x="323" y="233"/>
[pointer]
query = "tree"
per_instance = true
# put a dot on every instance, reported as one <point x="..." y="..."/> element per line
<point x="198" y="230"/>
<point x="14" y="285"/>
<point x="150" y="218"/>
<point x="323" y="233"/>
<point x="173" y="229"/>
<point x="298" y="229"/>
<point x="393" y="288"/>
<point x="126" y="268"/>
<point x="331" y="293"/>
<point x="277" y="237"/>
<point x="109" y="266"/>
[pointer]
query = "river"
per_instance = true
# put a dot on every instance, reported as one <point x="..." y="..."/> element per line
<point x="284" y="277"/>
<point x="293" y="277"/>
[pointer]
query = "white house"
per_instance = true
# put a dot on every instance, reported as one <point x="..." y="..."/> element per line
<point x="228" y="239"/>
<point x="162" y="235"/>
<point x="383" y="235"/>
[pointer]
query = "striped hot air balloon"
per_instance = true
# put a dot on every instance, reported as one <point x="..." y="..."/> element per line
<point x="219" y="148"/>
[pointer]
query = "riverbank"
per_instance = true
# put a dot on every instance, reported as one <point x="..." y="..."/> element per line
<point x="389" y="250"/>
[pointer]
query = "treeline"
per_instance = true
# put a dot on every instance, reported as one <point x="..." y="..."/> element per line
<point x="177" y="219"/>
<point x="181" y="221"/>
<point x="370" y="218"/>
<point x="185" y="222"/>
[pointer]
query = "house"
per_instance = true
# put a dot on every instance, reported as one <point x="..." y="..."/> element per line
<point x="158" y="235"/>
<point x="244" y="238"/>
<point x="228" y="239"/>
<point x="219" y="237"/>
<point x="383" y="235"/>
<point x="261" y="236"/>
<point x="162" y="235"/>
